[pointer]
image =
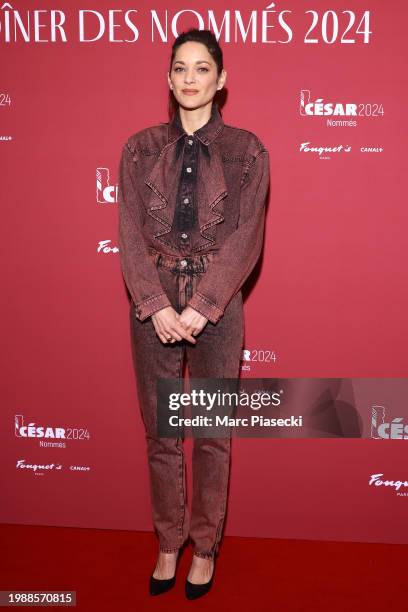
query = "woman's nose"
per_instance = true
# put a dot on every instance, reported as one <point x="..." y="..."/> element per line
<point x="189" y="78"/>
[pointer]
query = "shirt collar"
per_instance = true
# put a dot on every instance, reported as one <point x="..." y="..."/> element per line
<point x="205" y="133"/>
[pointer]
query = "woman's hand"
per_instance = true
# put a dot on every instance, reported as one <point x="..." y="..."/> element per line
<point x="169" y="326"/>
<point x="193" y="321"/>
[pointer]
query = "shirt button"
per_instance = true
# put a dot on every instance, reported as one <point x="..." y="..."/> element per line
<point x="190" y="141"/>
<point x="186" y="200"/>
<point x="184" y="235"/>
<point x="183" y="263"/>
<point x="188" y="169"/>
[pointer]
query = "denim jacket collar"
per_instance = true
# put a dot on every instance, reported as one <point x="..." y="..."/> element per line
<point x="206" y="133"/>
<point x="211" y="184"/>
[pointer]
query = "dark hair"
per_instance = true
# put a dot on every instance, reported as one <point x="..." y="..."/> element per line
<point x="207" y="38"/>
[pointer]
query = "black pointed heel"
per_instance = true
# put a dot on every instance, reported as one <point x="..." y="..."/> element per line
<point x="193" y="591"/>
<point x="158" y="586"/>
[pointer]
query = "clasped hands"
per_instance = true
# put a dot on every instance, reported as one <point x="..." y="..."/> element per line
<point x="171" y="326"/>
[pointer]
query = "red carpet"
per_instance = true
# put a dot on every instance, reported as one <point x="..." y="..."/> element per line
<point x="109" y="570"/>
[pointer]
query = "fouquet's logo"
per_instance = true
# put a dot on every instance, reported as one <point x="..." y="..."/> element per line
<point x="376" y="480"/>
<point x="106" y="246"/>
<point x="40" y="468"/>
<point x="105" y="192"/>
<point x="323" y="151"/>
<point x="385" y="429"/>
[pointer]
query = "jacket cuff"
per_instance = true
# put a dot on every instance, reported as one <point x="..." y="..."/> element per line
<point x="206" y="307"/>
<point x="153" y="304"/>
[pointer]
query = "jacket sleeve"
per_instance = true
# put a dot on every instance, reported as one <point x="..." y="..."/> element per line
<point x="238" y="255"/>
<point x="138" y="269"/>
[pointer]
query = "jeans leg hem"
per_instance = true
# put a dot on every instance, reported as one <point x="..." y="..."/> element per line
<point x="205" y="554"/>
<point x="168" y="550"/>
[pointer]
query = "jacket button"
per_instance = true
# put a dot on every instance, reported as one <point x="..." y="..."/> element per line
<point x="188" y="169"/>
<point x="190" y="141"/>
<point x="184" y="235"/>
<point x="183" y="263"/>
<point x="186" y="200"/>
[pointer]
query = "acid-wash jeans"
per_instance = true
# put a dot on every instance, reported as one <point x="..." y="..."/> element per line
<point x="216" y="354"/>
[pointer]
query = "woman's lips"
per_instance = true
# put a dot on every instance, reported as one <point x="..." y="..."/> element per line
<point x="189" y="92"/>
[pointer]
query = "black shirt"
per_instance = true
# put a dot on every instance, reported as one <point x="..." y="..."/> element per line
<point x="186" y="207"/>
<point x="186" y="210"/>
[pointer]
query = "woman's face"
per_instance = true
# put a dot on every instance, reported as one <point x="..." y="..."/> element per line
<point x="193" y="77"/>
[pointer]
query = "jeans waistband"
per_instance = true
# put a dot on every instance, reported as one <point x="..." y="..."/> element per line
<point x="188" y="264"/>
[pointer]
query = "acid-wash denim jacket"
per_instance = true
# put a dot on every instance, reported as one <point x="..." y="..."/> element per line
<point x="232" y="185"/>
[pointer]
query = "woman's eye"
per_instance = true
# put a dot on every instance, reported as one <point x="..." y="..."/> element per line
<point x="179" y="68"/>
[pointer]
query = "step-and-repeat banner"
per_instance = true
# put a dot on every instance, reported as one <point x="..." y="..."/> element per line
<point x="324" y="87"/>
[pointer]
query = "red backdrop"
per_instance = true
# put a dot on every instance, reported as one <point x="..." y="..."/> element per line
<point x="328" y="299"/>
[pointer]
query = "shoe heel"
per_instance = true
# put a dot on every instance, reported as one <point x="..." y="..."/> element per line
<point x="158" y="586"/>
<point x="194" y="591"/>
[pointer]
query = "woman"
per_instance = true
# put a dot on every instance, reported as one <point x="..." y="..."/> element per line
<point x="192" y="196"/>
